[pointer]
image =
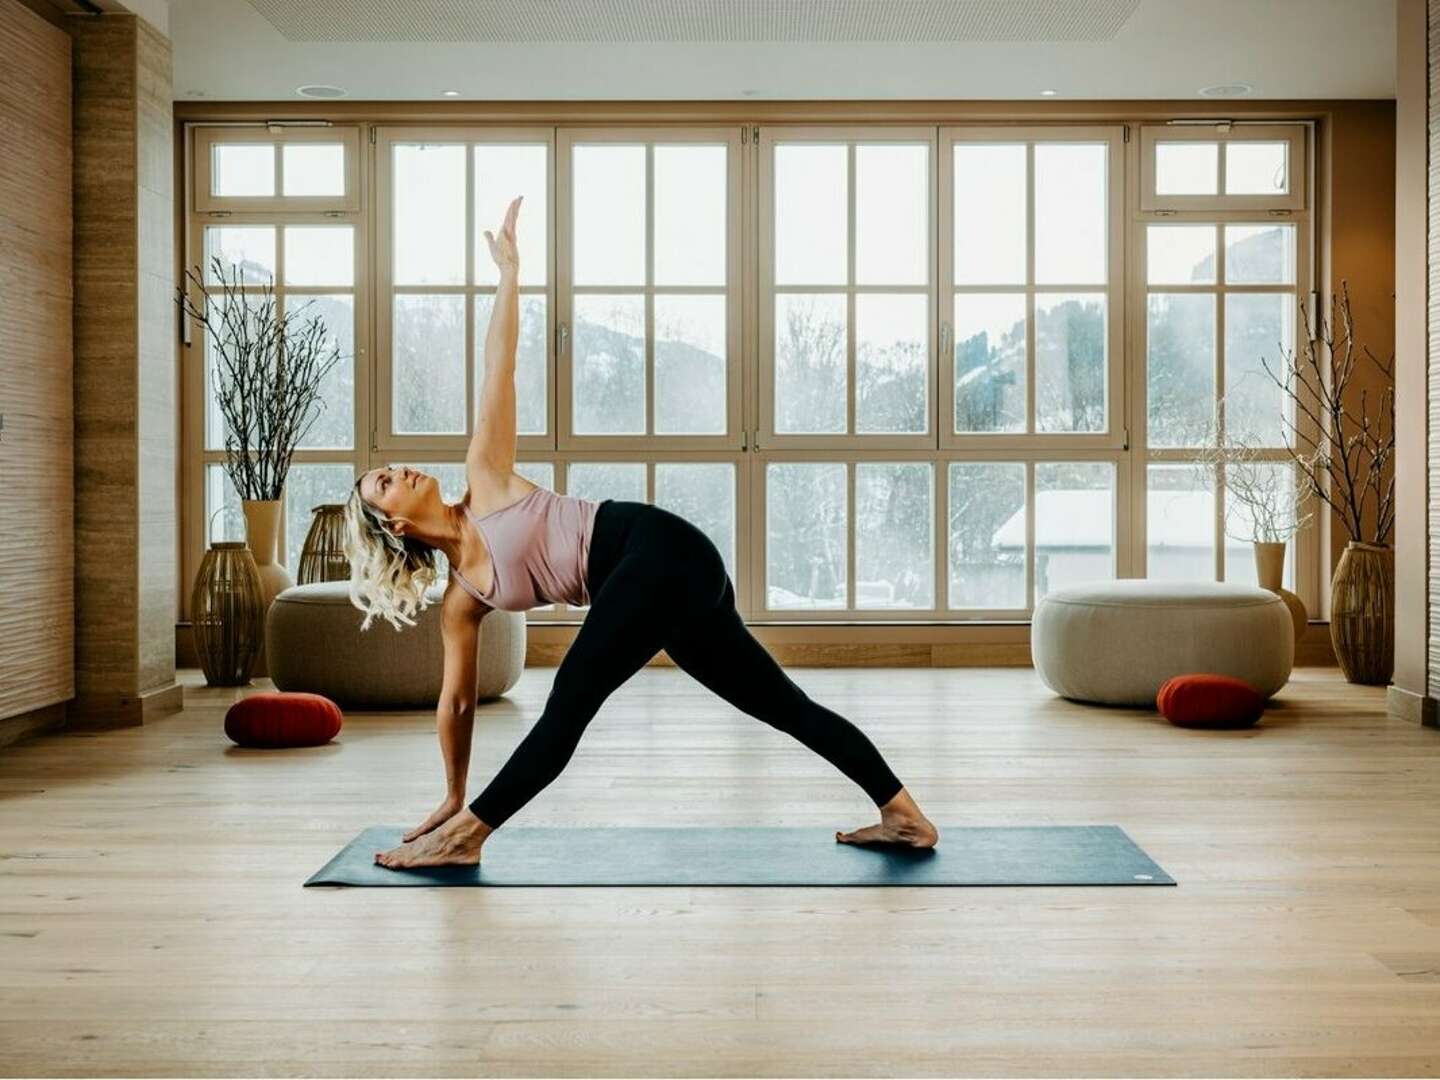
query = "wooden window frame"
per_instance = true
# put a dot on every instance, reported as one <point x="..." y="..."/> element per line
<point x="567" y="138"/>
<point x="1292" y="134"/>
<point x="1307" y="547"/>
<point x="850" y="439"/>
<point x="207" y="137"/>
<point x="1115" y="436"/>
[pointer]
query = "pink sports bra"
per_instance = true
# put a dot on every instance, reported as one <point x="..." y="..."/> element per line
<point x="539" y="550"/>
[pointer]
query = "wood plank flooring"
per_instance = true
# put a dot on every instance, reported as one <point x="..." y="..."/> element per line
<point x="152" y="919"/>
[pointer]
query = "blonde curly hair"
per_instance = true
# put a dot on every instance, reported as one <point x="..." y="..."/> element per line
<point x="389" y="574"/>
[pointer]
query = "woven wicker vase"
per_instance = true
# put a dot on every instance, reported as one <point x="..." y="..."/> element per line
<point x="227" y="614"/>
<point x="322" y="558"/>
<point x="1362" y="613"/>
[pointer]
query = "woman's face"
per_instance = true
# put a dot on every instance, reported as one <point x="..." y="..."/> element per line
<point x="399" y="490"/>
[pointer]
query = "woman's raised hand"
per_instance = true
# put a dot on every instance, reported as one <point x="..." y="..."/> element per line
<point x="502" y="248"/>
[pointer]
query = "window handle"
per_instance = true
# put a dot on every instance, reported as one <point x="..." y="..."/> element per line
<point x="562" y="335"/>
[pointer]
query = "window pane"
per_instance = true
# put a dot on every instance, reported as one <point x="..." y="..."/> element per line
<point x="703" y="493"/>
<point x="1260" y="254"/>
<point x="1259" y="333"/>
<point x="220" y="495"/>
<point x="1186" y="168"/>
<point x="892" y="368"/>
<point x="892" y="215"/>
<point x="530" y="374"/>
<point x="606" y="480"/>
<point x="990" y="233"/>
<point x="894" y="532"/>
<point x="1074" y="523"/>
<point x="306" y="487"/>
<point x="501" y="173"/>
<point x="609" y="201"/>
<point x="335" y="423"/>
<point x="429" y="230"/>
<point x="240" y="169"/>
<point x="608" y="392"/>
<point x="538" y="472"/>
<point x="248" y="250"/>
<point x="690" y="217"/>
<point x="319" y="255"/>
<point x="428" y="381"/>
<point x="1071" y="213"/>
<point x="314" y="169"/>
<point x="1181" y="369"/>
<point x="1070" y="372"/>
<point x="805" y="535"/>
<point x="989" y="362"/>
<point x="811" y="215"/>
<point x="810" y="376"/>
<point x="1180" y="254"/>
<point x="1179" y="524"/>
<point x="453" y="482"/>
<point x="690" y="387"/>
<point x="987" y="535"/>
<point x="1259" y="505"/>
<point x="1256" y="168"/>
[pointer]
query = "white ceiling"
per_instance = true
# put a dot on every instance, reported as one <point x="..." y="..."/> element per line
<point x="781" y="49"/>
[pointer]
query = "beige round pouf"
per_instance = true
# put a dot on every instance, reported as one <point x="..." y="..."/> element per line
<point x="1116" y="642"/>
<point x="314" y="643"/>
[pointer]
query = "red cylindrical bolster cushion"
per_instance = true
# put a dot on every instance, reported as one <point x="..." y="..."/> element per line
<point x="283" y="719"/>
<point x="1209" y="701"/>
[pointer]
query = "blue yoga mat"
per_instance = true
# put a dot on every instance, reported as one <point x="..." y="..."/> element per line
<point x="763" y="855"/>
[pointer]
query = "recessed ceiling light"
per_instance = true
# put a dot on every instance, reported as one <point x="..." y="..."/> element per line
<point x="1223" y="90"/>
<point x="320" y="90"/>
<point x="449" y="93"/>
<point x="1048" y="93"/>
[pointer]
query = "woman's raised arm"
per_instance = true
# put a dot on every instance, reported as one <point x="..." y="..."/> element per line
<point x="492" y="448"/>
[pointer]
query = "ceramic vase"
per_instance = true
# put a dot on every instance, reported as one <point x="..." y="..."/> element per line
<point x="262" y="531"/>
<point x="1270" y="572"/>
<point x="1362" y="613"/>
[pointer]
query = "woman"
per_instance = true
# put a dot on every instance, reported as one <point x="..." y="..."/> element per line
<point x="652" y="580"/>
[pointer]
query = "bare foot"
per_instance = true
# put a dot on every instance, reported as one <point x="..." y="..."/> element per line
<point x="455" y="843"/>
<point x="901" y="822"/>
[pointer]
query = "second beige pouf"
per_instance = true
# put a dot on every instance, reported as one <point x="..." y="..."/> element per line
<point x="315" y="644"/>
<point x="1116" y="642"/>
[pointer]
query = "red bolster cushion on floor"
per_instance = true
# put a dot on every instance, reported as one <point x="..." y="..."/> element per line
<point x="1209" y="701"/>
<point x="280" y="719"/>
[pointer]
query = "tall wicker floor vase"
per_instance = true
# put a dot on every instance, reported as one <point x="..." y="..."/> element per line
<point x="227" y="614"/>
<point x="322" y="558"/>
<point x="1362" y="613"/>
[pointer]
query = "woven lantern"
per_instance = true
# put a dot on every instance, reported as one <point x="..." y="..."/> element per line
<point x="227" y="614"/>
<point x="322" y="558"/>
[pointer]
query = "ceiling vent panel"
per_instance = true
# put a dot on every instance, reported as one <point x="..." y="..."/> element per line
<point x="708" y="21"/>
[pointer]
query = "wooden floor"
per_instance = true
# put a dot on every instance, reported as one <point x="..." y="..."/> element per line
<point x="152" y="919"/>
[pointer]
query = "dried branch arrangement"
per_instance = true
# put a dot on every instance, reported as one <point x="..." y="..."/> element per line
<point x="1274" y="507"/>
<point x="1344" y="454"/>
<point x="268" y="369"/>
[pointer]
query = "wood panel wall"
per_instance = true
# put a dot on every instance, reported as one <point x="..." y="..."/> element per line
<point x="125" y="373"/>
<point x="37" y="670"/>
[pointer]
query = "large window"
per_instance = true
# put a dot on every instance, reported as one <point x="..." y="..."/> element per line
<point x="1222" y="245"/>
<point x="895" y="372"/>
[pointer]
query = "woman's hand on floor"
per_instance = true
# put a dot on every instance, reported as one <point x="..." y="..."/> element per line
<point x="447" y="809"/>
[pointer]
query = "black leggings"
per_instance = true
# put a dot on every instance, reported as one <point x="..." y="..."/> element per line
<point x="656" y="581"/>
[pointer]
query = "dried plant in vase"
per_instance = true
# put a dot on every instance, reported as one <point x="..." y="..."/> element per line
<point x="1342" y="439"/>
<point x="1269" y="508"/>
<point x="267" y="368"/>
